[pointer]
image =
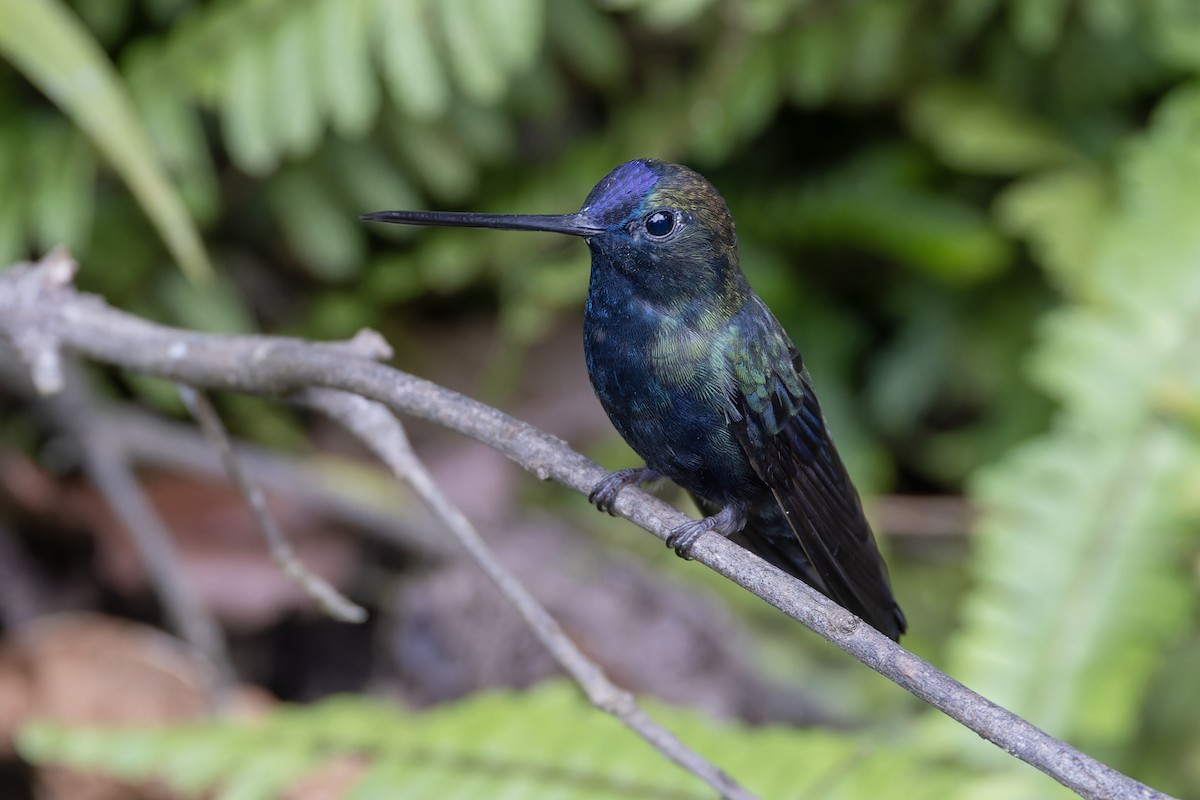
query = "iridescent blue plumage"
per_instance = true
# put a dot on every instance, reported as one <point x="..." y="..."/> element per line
<point x="700" y="379"/>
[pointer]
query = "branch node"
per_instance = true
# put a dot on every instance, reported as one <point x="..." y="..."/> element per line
<point x="40" y="351"/>
<point x="370" y="344"/>
<point x="59" y="268"/>
<point x="36" y="283"/>
<point x="844" y="622"/>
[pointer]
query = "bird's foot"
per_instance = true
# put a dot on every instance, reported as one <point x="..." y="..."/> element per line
<point x="726" y="522"/>
<point x="604" y="495"/>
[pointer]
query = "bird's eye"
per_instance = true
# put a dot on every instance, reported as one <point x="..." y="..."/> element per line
<point x="660" y="223"/>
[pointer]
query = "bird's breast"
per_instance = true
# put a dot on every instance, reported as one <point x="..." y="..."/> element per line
<point x="662" y="384"/>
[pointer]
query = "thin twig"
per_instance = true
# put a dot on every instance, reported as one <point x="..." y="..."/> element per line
<point x="331" y="601"/>
<point x="73" y="412"/>
<point x="32" y="295"/>
<point x="316" y="482"/>
<point x="109" y="471"/>
<point x="379" y="429"/>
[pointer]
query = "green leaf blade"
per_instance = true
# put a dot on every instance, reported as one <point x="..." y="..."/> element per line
<point x="55" y="52"/>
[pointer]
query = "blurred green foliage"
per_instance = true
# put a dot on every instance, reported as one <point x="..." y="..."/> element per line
<point x="547" y="742"/>
<point x="978" y="218"/>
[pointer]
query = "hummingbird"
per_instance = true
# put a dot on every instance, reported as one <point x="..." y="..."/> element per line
<point x="702" y="381"/>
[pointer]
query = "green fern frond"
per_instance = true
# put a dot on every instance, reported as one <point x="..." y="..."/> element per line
<point x="1078" y="552"/>
<point x="1058" y="212"/>
<point x="415" y="75"/>
<point x="282" y="73"/>
<point x="541" y="743"/>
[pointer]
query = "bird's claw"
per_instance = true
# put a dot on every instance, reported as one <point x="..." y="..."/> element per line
<point x="604" y="495"/>
<point x="683" y="538"/>
<point x="726" y="522"/>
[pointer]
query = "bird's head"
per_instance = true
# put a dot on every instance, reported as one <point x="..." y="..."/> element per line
<point x="662" y="225"/>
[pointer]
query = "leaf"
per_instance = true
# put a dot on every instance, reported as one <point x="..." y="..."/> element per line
<point x="1080" y="587"/>
<point x="245" y="110"/>
<point x="546" y="742"/>
<point x="217" y="307"/>
<point x="195" y="759"/>
<point x="370" y="179"/>
<point x="296" y="119"/>
<point x="974" y="131"/>
<point x="50" y="47"/>
<point x="268" y="773"/>
<point x="438" y="158"/>
<point x="589" y="41"/>
<point x="817" y="59"/>
<point x="476" y="67"/>
<point x="329" y="240"/>
<point x="514" y="31"/>
<point x="415" y="76"/>
<point x="106" y="19"/>
<point x="1109" y="18"/>
<point x="1059" y="212"/>
<point x="1038" y="24"/>
<point x="874" y="34"/>
<point x="343" y="55"/>
<point x="488" y="134"/>
<point x="747" y="110"/>
<point x="874" y="203"/>
<point x="177" y="131"/>
<point x="966" y="17"/>
<point x="672" y="13"/>
<point x="12" y="212"/>
<point x="1175" y="29"/>
<point x="62" y="194"/>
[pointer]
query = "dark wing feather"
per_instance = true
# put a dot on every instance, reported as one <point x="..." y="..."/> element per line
<point x="778" y="423"/>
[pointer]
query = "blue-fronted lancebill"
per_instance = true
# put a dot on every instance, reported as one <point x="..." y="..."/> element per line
<point x="704" y="384"/>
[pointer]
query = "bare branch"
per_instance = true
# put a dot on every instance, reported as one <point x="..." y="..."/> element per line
<point x="109" y="471"/>
<point x="280" y="366"/>
<point x="331" y="601"/>
<point x="379" y="429"/>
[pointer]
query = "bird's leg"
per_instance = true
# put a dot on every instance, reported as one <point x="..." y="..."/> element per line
<point x="606" y="491"/>
<point x="728" y="521"/>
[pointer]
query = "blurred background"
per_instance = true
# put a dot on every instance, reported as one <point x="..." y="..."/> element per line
<point x="978" y="219"/>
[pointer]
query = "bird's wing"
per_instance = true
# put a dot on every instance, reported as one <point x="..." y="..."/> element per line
<point x="776" y="419"/>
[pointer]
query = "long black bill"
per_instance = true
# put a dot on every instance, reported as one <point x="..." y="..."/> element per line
<point x="571" y="224"/>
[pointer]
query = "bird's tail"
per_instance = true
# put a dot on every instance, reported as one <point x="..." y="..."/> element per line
<point x="769" y="536"/>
